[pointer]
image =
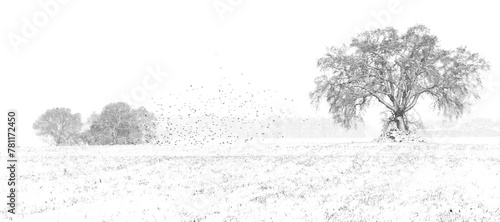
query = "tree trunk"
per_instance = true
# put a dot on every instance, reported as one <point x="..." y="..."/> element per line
<point x="400" y="122"/>
<point x="58" y="141"/>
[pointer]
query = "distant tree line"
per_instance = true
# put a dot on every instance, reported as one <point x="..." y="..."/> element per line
<point x="118" y="123"/>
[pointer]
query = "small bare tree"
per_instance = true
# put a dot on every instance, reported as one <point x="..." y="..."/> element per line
<point x="59" y="127"/>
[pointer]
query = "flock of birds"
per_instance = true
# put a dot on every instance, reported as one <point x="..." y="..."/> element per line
<point x="223" y="116"/>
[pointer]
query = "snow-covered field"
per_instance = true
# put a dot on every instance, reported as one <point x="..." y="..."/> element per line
<point x="287" y="180"/>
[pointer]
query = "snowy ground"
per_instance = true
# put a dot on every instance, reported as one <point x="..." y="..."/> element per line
<point x="287" y="180"/>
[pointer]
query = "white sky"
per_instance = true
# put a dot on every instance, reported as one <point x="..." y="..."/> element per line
<point x="91" y="52"/>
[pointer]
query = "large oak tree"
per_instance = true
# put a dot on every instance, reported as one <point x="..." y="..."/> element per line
<point x="397" y="70"/>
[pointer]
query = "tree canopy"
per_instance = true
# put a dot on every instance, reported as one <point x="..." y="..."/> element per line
<point x="396" y="70"/>
<point x="118" y="123"/>
<point x="59" y="127"/>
